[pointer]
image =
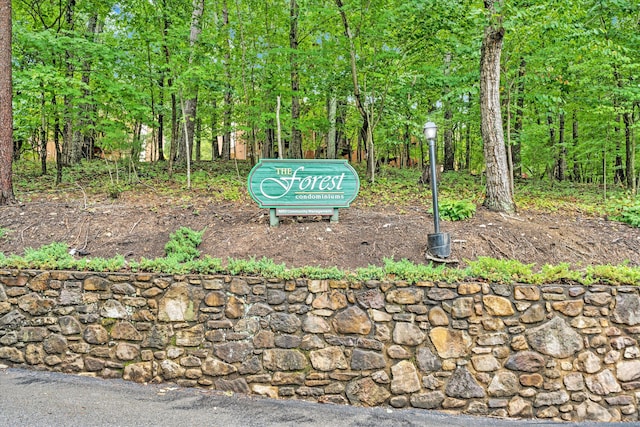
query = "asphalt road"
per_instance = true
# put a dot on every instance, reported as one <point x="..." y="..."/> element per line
<point x="34" y="399"/>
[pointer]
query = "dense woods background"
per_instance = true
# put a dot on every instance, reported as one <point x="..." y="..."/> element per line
<point x="190" y="80"/>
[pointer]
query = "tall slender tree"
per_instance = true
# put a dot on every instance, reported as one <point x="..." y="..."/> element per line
<point x="228" y="91"/>
<point x="366" y="132"/>
<point x="6" y="111"/>
<point x="186" y="138"/>
<point x="295" y="147"/>
<point x="498" y="194"/>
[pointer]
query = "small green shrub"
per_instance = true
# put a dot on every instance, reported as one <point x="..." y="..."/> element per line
<point x="500" y="270"/>
<point x="456" y="210"/>
<point x="629" y="215"/>
<point x="52" y="256"/>
<point x="613" y="274"/>
<point x="237" y="266"/>
<point x="114" y="190"/>
<point x="413" y="273"/>
<point x="183" y="244"/>
<point x="4" y="232"/>
<point x="268" y="268"/>
<point x="116" y="263"/>
<point x="161" y="265"/>
<point x="310" y="272"/>
<point x="555" y="274"/>
<point x="231" y="194"/>
<point x="372" y="272"/>
<point x="207" y="265"/>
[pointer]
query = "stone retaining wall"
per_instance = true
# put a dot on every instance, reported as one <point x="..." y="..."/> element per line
<point x="558" y="352"/>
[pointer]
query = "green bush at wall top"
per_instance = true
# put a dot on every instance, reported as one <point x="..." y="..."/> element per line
<point x="182" y="252"/>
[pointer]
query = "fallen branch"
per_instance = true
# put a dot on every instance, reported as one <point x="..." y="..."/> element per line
<point x="430" y="257"/>
<point x="135" y="225"/>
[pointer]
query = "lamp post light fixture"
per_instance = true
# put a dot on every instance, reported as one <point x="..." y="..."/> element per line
<point x="438" y="244"/>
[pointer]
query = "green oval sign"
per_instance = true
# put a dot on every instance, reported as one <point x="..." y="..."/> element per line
<point x="277" y="183"/>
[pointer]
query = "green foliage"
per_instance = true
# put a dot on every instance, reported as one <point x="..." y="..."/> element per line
<point x="500" y="270"/>
<point x="413" y="273"/>
<point x="310" y="272"/>
<point x="231" y="194"/>
<point x="245" y="266"/>
<point x="557" y="274"/>
<point x="161" y="265"/>
<point x="52" y="256"/>
<point x="629" y="215"/>
<point x="456" y="210"/>
<point x="56" y="257"/>
<point x="4" y="232"/>
<point x="615" y="275"/>
<point x="183" y="244"/>
<point x="116" y="263"/>
<point x="372" y="272"/>
<point x="565" y="197"/>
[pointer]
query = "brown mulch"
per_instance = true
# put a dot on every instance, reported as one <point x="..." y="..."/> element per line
<point x="363" y="236"/>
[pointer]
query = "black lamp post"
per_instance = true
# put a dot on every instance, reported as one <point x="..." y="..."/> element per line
<point x="438" y="244"/>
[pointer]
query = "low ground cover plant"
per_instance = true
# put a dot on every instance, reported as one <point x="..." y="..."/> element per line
<point x="56" y="256"/>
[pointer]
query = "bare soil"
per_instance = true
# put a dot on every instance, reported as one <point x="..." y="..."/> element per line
<point x="139" y="226"/>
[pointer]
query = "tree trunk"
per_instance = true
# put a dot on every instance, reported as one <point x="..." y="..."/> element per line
<point x="6" y="112"/>
<point x="56" y="141"/>
<point x="174" y="131"/>
<point x="228" y="98"/>
<point x="561" y="170"/>
<point x="83" y="135"/>
<point x="331" y="135"/>
<point x="72" y="152"/>
<point x="630" y="146"/>
<point x="552" y="143"/>
<point x="406" y="155"/>
<point x="367" y="123"/>
<point x="498" y="194"/>
<point x="161" y="116"/>
<point x="190" y="104"/>
<point x="279" y="132"/>
<point x="577" y="176"/>
<point x="449" y="151"/>
<point x="165" y="47"/>
<point x="198" y="139"/>
<point x="467" y="154"/>
<point x="269" y="140"/>
<point x="343" y="146"/>
<point x="160" y="141"/>
<point x="43" y="133"/>
<point x="519" y="116"/>
<point x="295" y="147"/>
<point x="215" y="149"/>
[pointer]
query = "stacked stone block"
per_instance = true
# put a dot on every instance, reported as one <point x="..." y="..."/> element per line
<point x="559" y="352"/>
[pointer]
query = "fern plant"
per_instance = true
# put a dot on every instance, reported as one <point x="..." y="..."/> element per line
<point x="456" y="210"/>
<point x="630" y="215"/>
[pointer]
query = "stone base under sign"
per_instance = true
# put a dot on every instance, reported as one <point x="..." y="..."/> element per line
<point x="275" y="213"/>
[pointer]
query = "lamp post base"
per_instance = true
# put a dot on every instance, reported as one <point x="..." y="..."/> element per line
<point x="439" y="244"/>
